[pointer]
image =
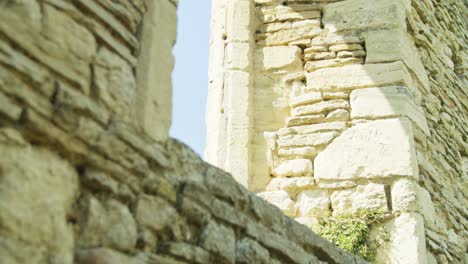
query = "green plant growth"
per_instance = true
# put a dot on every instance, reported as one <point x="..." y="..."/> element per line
<point x="352" y="233"/>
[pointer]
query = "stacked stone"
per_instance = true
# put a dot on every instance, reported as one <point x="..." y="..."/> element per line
<point x="356" y="131"/>
<point x="82" y="182"/>
<point x="439" y="31"/>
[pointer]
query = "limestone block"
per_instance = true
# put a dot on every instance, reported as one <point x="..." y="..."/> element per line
<point x="291" y="185"/>
<point x="313" y="203"/>
<point x="315" y="139"/>
<point x="284" y="37"/>
<point x="364" y="15"/>
<point x="320" y="56"/>
<point x="337" y="115"/>
<point x="116" y="84"/>
<point x="369" y="197"/>
<point x="379" y="148"/>
<point x="154" y="213"/>
<point x="281" y="59"/>
<point x="359" y="76"/>
<point x="314" y="128"/>
<point x="315" y="49"/>
<point x="305" y="99"/>
<point x="335" y="39"/>
<point x="390" y="101"/>
<point x="341" y="47"/>
<point x="213" y="234"/>
<point x="292" y="168"/>
<point x="408" y="196"/>
<point x="108" y="224"/>
<point x="336" y="185"/>
<point x="306" y="152"/>
<point x="407" y="243"/>
<point x="103" y="255"/>
<point x="68" y="35"/>
<point x="304" y="120"/>
<point x="320" y="107"/>
<point x="351" y="54"/>
<point x="281" y="200"/>
<point x="250" y="251"/>
<point x="393" y="45"/>
<point x="37" y="192"/>
<point x="155" y="64"/>
<point x="238" y="20"/>
<point x="335" y="95"/>
<point x="237" y="56"/>
<point x="311" y="66"/>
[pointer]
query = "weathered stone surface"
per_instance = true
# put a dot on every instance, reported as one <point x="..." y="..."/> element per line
<point x="250" y="251"/>
<point x="408" y="196"/>
<point x="304" y="120"/>
<point x="293" y="168"/>
<point x="154" y="213"/>
<point x="315" y="128"/>
<point x="395" y="44"/>
<point x="341" y="47"/>
<point x="337" y="115"/>
<point x="289" y="61"/>
<point x="363" y="15"/>
<point x="317" y="108"/>
<point x="359" y="76"/>
<point x="315" y="139"/>
<point x="336" y="185"/>
<point x="368" y="150"/>
<point x="305" y="99"/>
<point x="48" y="186"/>
<point x="108" y="224"/>
<point x="155" y="64"/>
<point x="85" y="179"/>
<point x="407" y="243"/>
<point x="370" y="197"/>
<point x="383" y="102"/>
<point x="281" y="200"/>
<point x="290" y="185"/>
<point x="313" y="203"/>
<point x="211" y="237"/>
<point x="307" y="152"/>
<point x="311" y="66"/>
<point x="116" y="84"/>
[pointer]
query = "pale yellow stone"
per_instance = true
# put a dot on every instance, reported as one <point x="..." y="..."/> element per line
<point x="291" y="185"/>
<point x="368" y="150"/>
<point x="306" y="152"/>
<point x="383" y="102"/>
<point x="407" y="243"/>
<point x="315" y="139"/>
<point x="341" y="47"/>
<point x="281" y="200"/>
<point x="370" y="197"/>
<point x="313" y="203"/>
<point x="359" y="76"/>
<point x="294" y="168"/>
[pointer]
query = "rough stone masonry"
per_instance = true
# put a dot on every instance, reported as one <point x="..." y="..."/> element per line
<point x="88" y="174"/>
<point x="328" y="108"/>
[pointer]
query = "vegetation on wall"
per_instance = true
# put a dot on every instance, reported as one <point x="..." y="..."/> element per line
<point x="352" y="232"/>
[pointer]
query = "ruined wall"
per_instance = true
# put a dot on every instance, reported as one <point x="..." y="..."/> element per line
<point x="348" y="106"/>
<point x="439" y="31"/>
<point x="87" y="173"/>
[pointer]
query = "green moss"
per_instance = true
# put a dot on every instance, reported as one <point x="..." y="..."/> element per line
<point x="352" y="232"/>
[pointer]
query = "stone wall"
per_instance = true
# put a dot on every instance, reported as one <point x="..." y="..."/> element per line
<point x="87" y="173"/>
<point x="348" y="106"/>
<point x="439" y="31"/>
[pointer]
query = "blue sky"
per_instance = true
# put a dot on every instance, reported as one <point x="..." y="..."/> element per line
<point x="190" y="76"/>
